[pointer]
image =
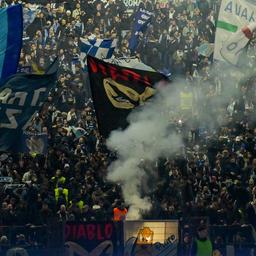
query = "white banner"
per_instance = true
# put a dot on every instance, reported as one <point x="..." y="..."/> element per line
<point x="233" y="15"/>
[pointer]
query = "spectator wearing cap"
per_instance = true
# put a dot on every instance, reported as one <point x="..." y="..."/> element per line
<point x="66" y="171"/>
<point x="202" y="245"/>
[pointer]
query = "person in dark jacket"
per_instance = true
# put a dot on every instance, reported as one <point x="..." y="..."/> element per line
<point x="251" y="213"/>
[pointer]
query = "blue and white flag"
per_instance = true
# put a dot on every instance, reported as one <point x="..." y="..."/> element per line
<point x="78" y="131"/>
<point x="29" y="16"/>
<point x="21" y="96"/>
<point x="142" y="20"/>
<point x="99" y="48"/>
<point x="11" y="31"/>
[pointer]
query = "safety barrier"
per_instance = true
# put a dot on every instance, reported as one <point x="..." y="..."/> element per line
<point x="129" y="238"/>
<point x="232" y="240"/>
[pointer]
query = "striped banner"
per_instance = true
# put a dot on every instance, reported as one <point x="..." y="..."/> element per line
<point x="11" y="31"/>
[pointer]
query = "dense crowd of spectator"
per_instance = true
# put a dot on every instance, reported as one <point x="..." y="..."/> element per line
<point x="217" y="175"/>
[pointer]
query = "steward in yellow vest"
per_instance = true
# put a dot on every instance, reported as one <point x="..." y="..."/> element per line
<point x="61" y="196"/>
<point x="202" y="245"/>
<point x="186" y="101"/>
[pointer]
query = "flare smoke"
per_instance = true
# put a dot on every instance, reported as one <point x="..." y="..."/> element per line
<point x="149" y="136"/>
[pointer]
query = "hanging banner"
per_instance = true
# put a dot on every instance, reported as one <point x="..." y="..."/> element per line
<point x="21" y="96"/>
<point x="94" y="238"/>
<point x="153" y="238"/>
<point x="131" y="4"/>
<point x="141" y="23"/>
<point x="233" y="15"/>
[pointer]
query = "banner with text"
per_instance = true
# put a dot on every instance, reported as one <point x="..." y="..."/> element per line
<point x="233" y="15"/>
<point x="141" y="23"/>
<point x="21" y="96"/>
<point x="94" y="238"/>
<point x="131" y="4"/>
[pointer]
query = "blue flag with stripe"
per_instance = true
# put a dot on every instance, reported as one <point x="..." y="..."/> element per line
<point x="11" y="31"/>
<point x="142" y="20"/>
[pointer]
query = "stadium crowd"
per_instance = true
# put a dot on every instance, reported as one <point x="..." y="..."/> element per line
<point x="216" y="177"/>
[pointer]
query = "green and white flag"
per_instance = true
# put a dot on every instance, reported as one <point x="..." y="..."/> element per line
<point x="234" y="45"/>
<point x="234" y="15"/>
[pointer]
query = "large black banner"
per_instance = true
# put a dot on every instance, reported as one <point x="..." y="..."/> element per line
<point x="117" y="90"/>
<point x="94" y="238"/>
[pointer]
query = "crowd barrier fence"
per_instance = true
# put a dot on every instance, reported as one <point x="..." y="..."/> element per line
<point x="129" y="238"/>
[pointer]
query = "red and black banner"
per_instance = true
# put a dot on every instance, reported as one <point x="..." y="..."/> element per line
<point x="117" y="90"/>
<point x="94" y="238"/>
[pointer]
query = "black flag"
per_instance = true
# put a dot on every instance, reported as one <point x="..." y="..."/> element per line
<point x="117" y="90"/>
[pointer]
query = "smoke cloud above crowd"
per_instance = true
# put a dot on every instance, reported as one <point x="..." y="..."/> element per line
<point x="150" y="136"/>
<point x="146" y="139"/>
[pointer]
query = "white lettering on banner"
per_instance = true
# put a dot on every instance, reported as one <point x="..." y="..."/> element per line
<point x="25" y="126"/>
<point x="145" y="17"/>
<point x="240" y="11"/>
<point x="19" y="99"/>
<point x="36" y="96"/>
<point x="6" y="97"/>
<point x="141" y="22"/>
<point x="10" y="114"/>
<point x="146" y="12"/>
<point x="131" y="3"/>
<point x="18" y="95"/>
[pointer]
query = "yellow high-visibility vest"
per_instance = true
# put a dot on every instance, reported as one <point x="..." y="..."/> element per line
<point x="186" y="100"/>
<point x="57" y="194"/>
<point x="61" y="180"/>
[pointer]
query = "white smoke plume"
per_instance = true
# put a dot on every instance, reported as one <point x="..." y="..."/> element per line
<point x="149" y="136"/>
<point x="146" y="139"/>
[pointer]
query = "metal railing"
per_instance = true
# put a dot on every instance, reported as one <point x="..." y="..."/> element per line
<point x="49" y="240"/>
